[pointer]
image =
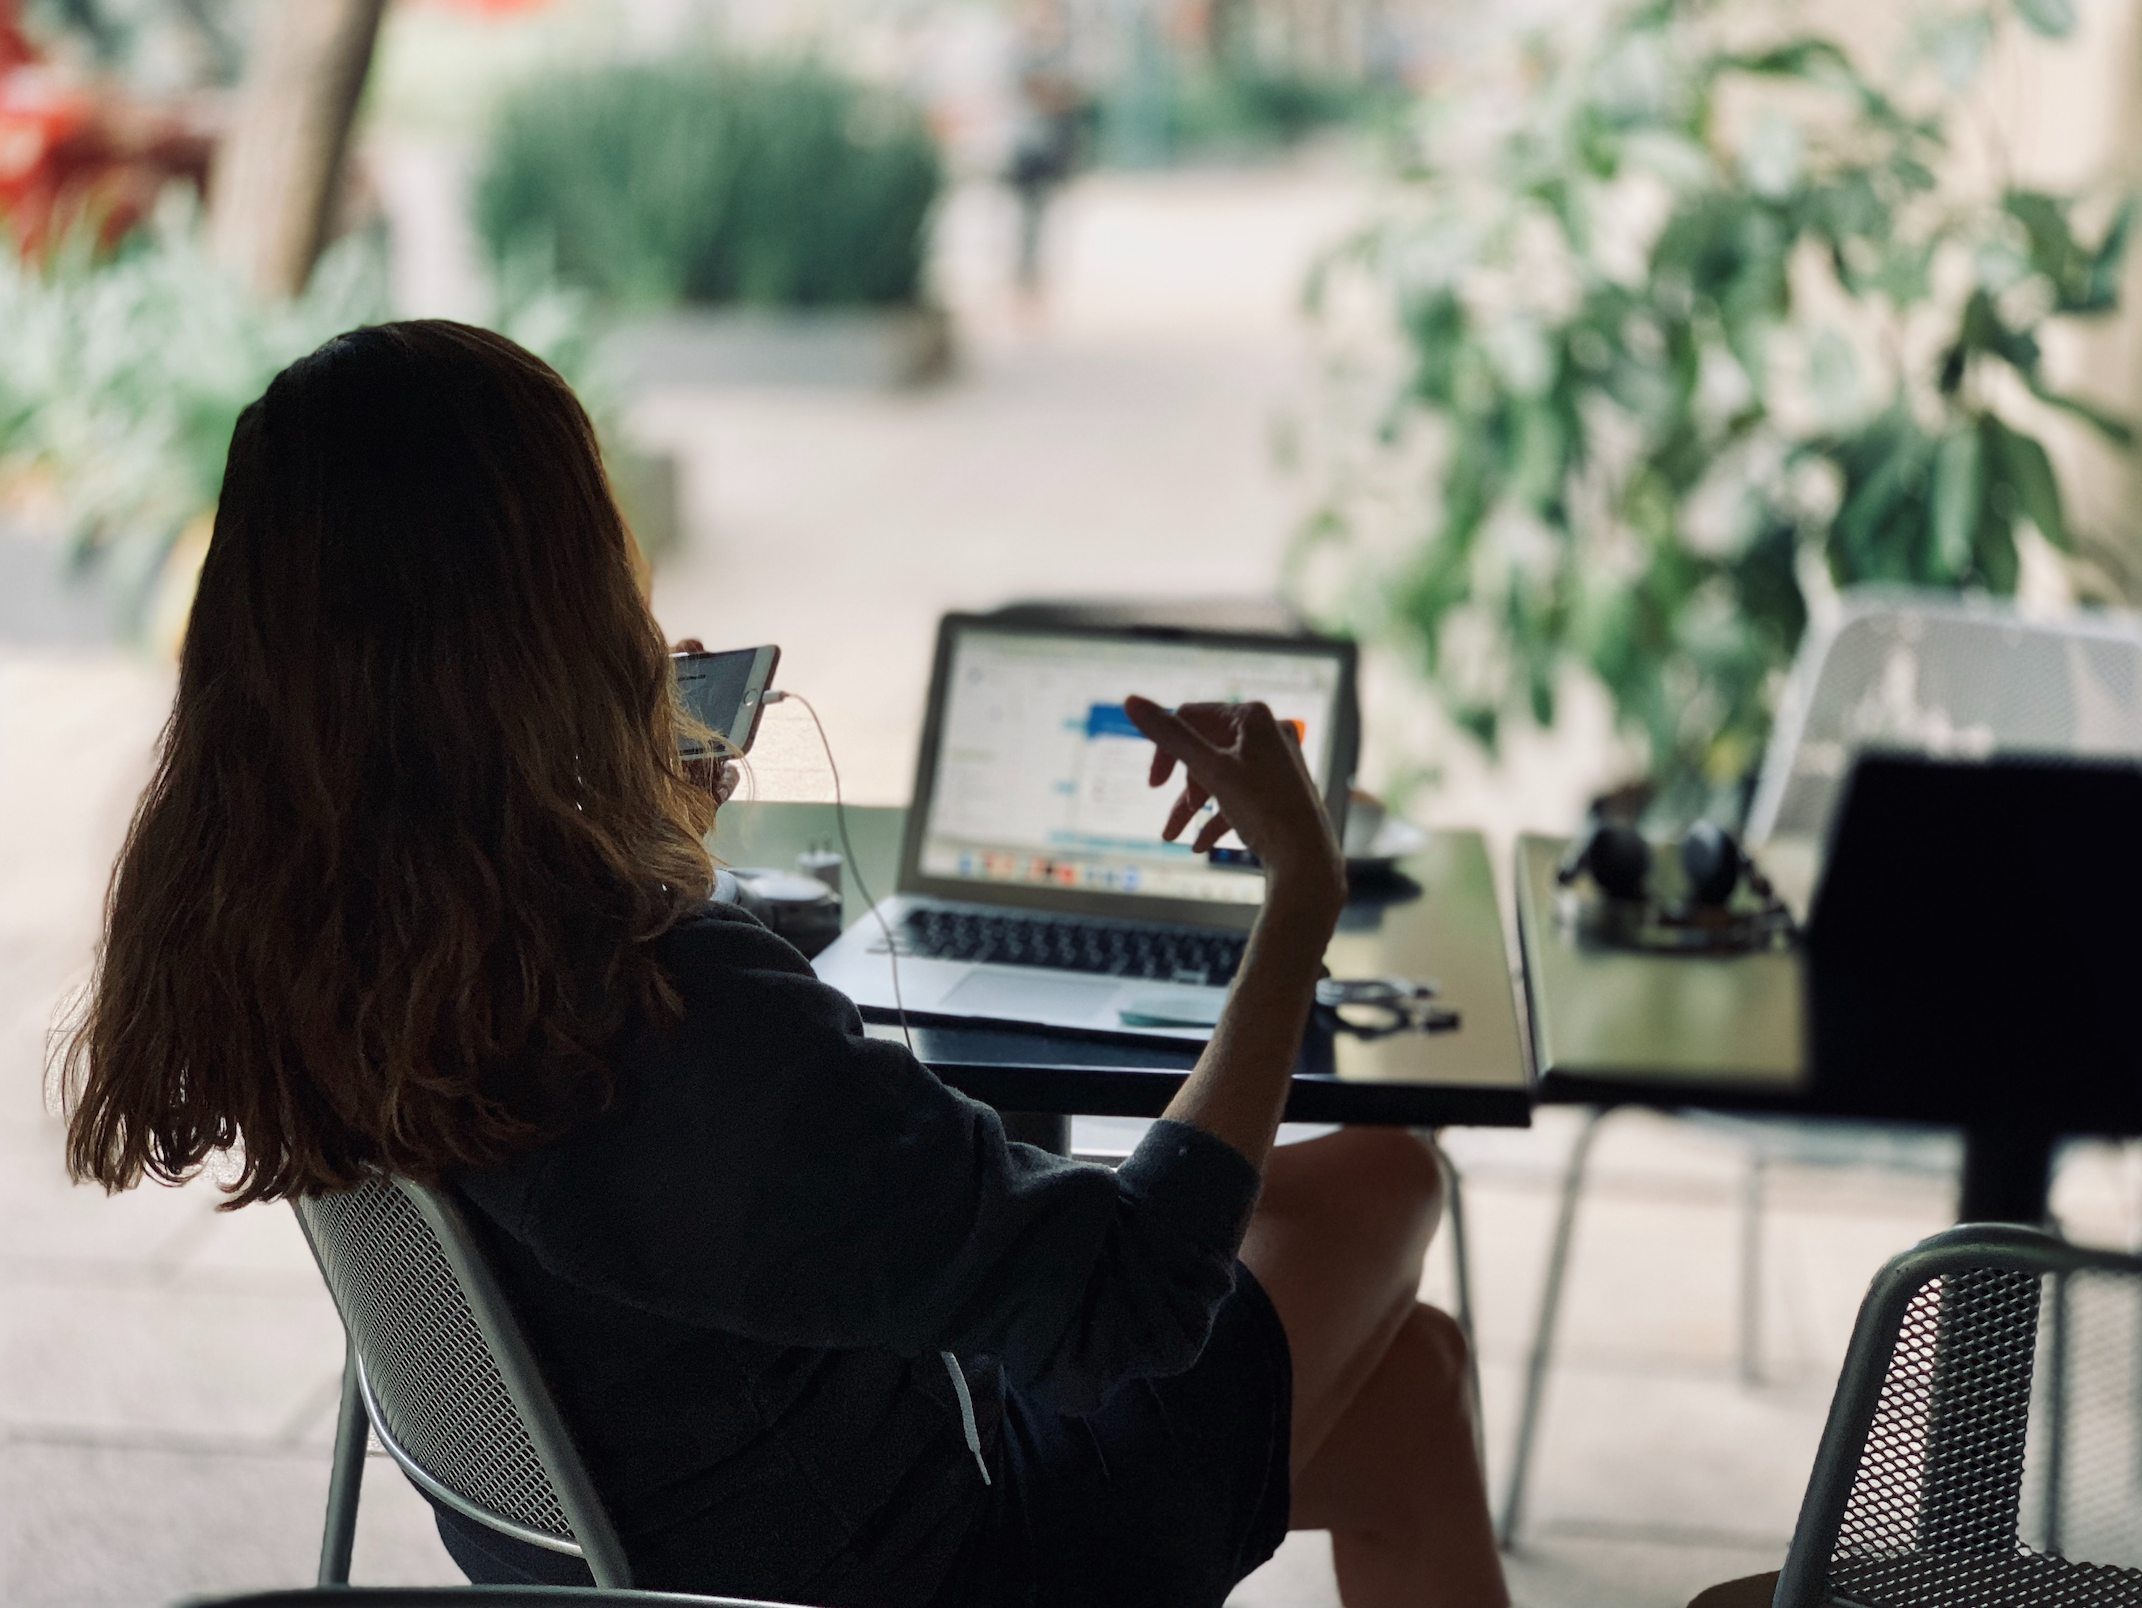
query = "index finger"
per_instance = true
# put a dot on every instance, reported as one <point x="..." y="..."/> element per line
<point x="1174" y="737"/>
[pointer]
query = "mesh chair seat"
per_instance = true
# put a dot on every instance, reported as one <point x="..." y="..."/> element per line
<point x="1985" y="1443"/>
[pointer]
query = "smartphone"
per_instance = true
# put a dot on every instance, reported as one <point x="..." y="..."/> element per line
<point x="726" y="693"/>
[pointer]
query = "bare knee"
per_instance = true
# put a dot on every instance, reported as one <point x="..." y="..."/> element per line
<point x="1341" y="1233"/>
<point x="1406" y="1167"/>
<point x="1403" y="1437"/>
<point x="1437" y="1345"/>
<point x="1395" y="1171"/>
<point x="1389" y="1170"/>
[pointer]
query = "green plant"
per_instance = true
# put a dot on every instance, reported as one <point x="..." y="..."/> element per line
<point x="714" y="180"/>
<point x="1703" y="325"/>
<point x="1246" y="107"/>
<point x="144" y="39"/>
<point x="120" y="383"/>
<point x="1223" y="96"/>
<point x="122" y="379"/>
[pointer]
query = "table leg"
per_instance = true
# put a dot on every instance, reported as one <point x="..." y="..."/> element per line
<point x="1461" y="1278"/>
<point x="1979" y="1414"/>
<point x="2007" y="1174"/>
<point x="1753" y="1190"/>
<point x="1528" y="1414"/>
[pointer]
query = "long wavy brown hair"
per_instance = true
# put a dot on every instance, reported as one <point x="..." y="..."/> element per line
<point x="418" y="814"/>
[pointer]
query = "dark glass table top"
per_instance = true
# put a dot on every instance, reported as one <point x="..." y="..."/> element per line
<point x="1435" y="918"/>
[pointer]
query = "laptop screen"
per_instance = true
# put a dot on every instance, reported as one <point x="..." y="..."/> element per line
<point x="1037" y="782"/>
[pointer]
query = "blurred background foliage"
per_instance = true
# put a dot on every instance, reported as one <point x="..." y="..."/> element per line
<point x="123" y="374"/>
<point x="1226" y="92"/>
<point x="714" y="180"/>
<point x="130" y="338"/>
<point x="1707" y="329"/>
<point x="156" y="44"/>
<point x="1246" y="108"/>
<point x="121" y="379"/>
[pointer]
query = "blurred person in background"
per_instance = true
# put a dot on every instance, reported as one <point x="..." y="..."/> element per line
<point x="1048" y="133"/>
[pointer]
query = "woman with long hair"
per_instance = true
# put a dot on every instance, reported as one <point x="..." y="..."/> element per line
<point x="420" y="885"/>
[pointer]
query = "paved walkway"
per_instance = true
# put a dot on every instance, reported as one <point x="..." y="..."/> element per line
<point x="167" y="1374"/>
<point x="1116" y="440"/>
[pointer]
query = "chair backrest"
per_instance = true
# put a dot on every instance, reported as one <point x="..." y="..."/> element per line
<point x="1934" y="674"/>
<point x="449" y="1383"/>
<point x="1985" y="1442"/>
<point x="482" y="1596"/>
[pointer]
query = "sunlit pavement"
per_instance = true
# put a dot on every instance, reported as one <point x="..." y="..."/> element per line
<point x="167" y="1383"/>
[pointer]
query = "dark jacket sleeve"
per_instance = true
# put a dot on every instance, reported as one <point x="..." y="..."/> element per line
<point x="771" y="1171"/>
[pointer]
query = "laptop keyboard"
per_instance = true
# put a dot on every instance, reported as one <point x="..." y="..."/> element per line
<point x="1111" y="948"/>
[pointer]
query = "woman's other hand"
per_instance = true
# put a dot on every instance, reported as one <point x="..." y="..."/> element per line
<point x="714" y="777"/>
<point x="1242" y="759"/>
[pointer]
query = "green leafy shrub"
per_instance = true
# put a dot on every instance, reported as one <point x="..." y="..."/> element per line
<point x="121" y="380"/>
<point x="1702" y="326"/>
<point x="714" y="180"/>
<point x="1224" y="98"/>
<point x="1251" y="108"/>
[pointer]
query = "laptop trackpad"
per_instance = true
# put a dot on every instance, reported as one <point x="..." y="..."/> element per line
<point x="1022" y="997"/>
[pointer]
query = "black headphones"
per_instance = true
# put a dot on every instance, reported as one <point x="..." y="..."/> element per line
<point x="1704" y="914"/>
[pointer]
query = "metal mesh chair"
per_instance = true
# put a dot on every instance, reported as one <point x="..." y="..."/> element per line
<point x="439" y="1370"/>
<point x="1930" y="673"/>
<point x="1985" y="1443"/>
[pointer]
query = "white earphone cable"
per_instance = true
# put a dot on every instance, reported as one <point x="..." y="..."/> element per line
<point x="855" y="867"/>
<point x="968" y="1430"/>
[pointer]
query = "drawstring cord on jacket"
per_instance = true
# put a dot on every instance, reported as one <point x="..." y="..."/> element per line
<point x="966" y="1412"/>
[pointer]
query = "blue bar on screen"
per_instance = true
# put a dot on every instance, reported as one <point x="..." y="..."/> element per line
<point x="1109" y="720"/>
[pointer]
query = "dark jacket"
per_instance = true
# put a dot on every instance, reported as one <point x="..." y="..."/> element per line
<point x="740" y="1277"/>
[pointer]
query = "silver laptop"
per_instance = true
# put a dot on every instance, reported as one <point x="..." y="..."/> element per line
<point x="1034" y="885"/>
